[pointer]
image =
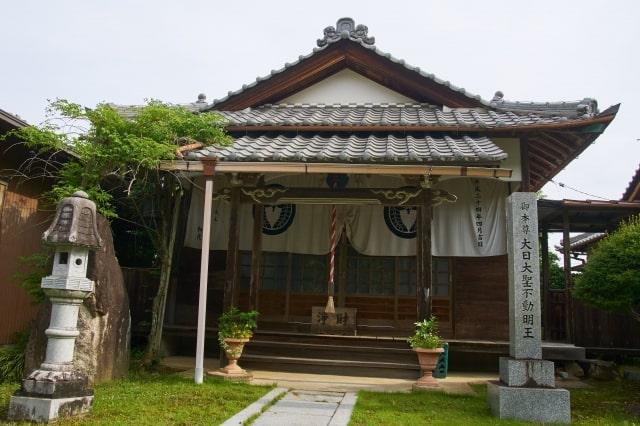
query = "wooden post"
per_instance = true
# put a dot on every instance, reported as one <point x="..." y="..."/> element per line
<point x="342" y="269"/>
<point x="568" y="302"/>
<point x="256" y="255"/>
<point x="546" y="294"/>
<point x="233" y="252"/>
<point x="423" y="252"/>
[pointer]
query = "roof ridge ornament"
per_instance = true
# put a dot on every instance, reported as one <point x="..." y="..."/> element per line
<point x="585" y="108"/>
<point x="346" y="28"/>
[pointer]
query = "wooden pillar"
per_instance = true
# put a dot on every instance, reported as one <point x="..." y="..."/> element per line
<point x="233" y="252"/>
<point x="423" y="252"/>
<point x="546" y="293"/>
<point x="568" y="302"/>
<point x="342" y="269"/>
<point x="256" y="255"/>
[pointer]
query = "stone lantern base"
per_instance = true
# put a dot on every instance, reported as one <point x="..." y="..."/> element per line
<point x="47" y="395"/>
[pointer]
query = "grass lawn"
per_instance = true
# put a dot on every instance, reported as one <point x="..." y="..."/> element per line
<point x="158" y="399"/>
<point x="602" y="403"/>
<point x="171" y="399"/>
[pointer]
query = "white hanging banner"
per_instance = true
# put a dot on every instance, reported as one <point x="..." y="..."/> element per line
<point x="472" y="226"/>
<point x="383" y="231"/>
<point x="291" y="228"/>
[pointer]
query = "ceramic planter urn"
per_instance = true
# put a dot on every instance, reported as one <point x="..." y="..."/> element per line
<point x="233" y="351"/>
<point x="428" y="359"/>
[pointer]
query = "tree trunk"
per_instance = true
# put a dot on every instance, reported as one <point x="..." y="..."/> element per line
<point x="167" y="238"/>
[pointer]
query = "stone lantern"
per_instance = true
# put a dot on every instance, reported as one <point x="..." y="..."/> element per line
<point x="57" y="389"/>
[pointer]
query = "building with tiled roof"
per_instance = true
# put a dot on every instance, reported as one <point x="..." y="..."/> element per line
<point x="381" y="189"/>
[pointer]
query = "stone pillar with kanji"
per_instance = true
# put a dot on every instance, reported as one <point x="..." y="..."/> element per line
<point x="526" y="389"/>
<point x="57" y="388"/>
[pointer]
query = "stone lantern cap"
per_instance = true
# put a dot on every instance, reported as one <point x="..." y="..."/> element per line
<point x="75" y="223"/>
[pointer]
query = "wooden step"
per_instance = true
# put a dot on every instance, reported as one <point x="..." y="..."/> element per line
<point x="329" y="354"/>
<point x="324" y="351"/>
<point x="330" y="366"/>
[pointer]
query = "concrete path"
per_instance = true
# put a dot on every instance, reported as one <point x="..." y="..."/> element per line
<point x="299" y="407"/>
<point x="318" y="399"/>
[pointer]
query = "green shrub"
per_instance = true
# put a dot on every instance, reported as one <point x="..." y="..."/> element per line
<point x="610" y="280"/>
<point x="426" y="335"/>
<point x="37" y="266"/>
<point x="12" y="359"/>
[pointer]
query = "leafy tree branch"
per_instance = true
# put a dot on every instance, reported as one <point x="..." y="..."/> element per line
<point x="115" y="158"/>
<point x="611" y="277"/>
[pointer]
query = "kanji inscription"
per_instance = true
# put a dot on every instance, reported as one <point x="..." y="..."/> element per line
<point x="524" y="276"/>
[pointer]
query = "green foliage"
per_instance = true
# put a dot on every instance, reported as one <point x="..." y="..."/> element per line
<point x="116" y="160"/>
<point x="426" y="335"/>
<point x="611" y="277"/>
<point x="12" y="359"/>
<point x="107" y="146"/>
<point x="556" y="272"/>
<point x="38" y="266"/>
<point x="237" y="324"/>
<point x="133" y="245"/>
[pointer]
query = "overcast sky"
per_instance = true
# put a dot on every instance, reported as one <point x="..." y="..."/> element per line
<point x="129" y="51"/>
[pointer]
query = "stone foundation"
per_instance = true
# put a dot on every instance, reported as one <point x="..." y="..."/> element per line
<point x="48" y="395"/>
<point x="44" y="410"/>
<point x="542" y="405"/>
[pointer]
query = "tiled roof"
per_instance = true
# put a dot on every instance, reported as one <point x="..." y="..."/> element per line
<point x="584" y="215"/>
<point x="633" y="188"/>
<point x="385" y="115"/>
<point x="581" y="240"/>
<point x="352" y="148"/>
<point x="585" y="108"/>
<point x="11" y="120"/>
<point x="355" y="115"/>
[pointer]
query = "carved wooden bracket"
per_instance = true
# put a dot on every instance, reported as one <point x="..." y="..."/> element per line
<point x="355" y="196"/>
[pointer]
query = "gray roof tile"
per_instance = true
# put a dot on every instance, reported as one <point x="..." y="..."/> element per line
<point x="515" y="114"/>
<point x="585" y="108"/>
<point x="378" y="115"/>
<point x="364" y="146"/>
<point x="353" y="148"/>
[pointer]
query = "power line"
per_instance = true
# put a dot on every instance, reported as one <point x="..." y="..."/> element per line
<point x="563" y="185"/>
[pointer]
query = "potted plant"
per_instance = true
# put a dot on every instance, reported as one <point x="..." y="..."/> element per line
<point x="427" y="344"/>
<point x="235" y="328"/>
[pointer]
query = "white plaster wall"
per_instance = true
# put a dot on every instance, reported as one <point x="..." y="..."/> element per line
<point x="346" y="87"/>
<point x="512" y="147"/>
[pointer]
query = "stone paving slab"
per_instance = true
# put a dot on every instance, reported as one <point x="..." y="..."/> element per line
<point x="309" y="408"/>
<point x="254" y="408"/>
<point x="320" y="399"/>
